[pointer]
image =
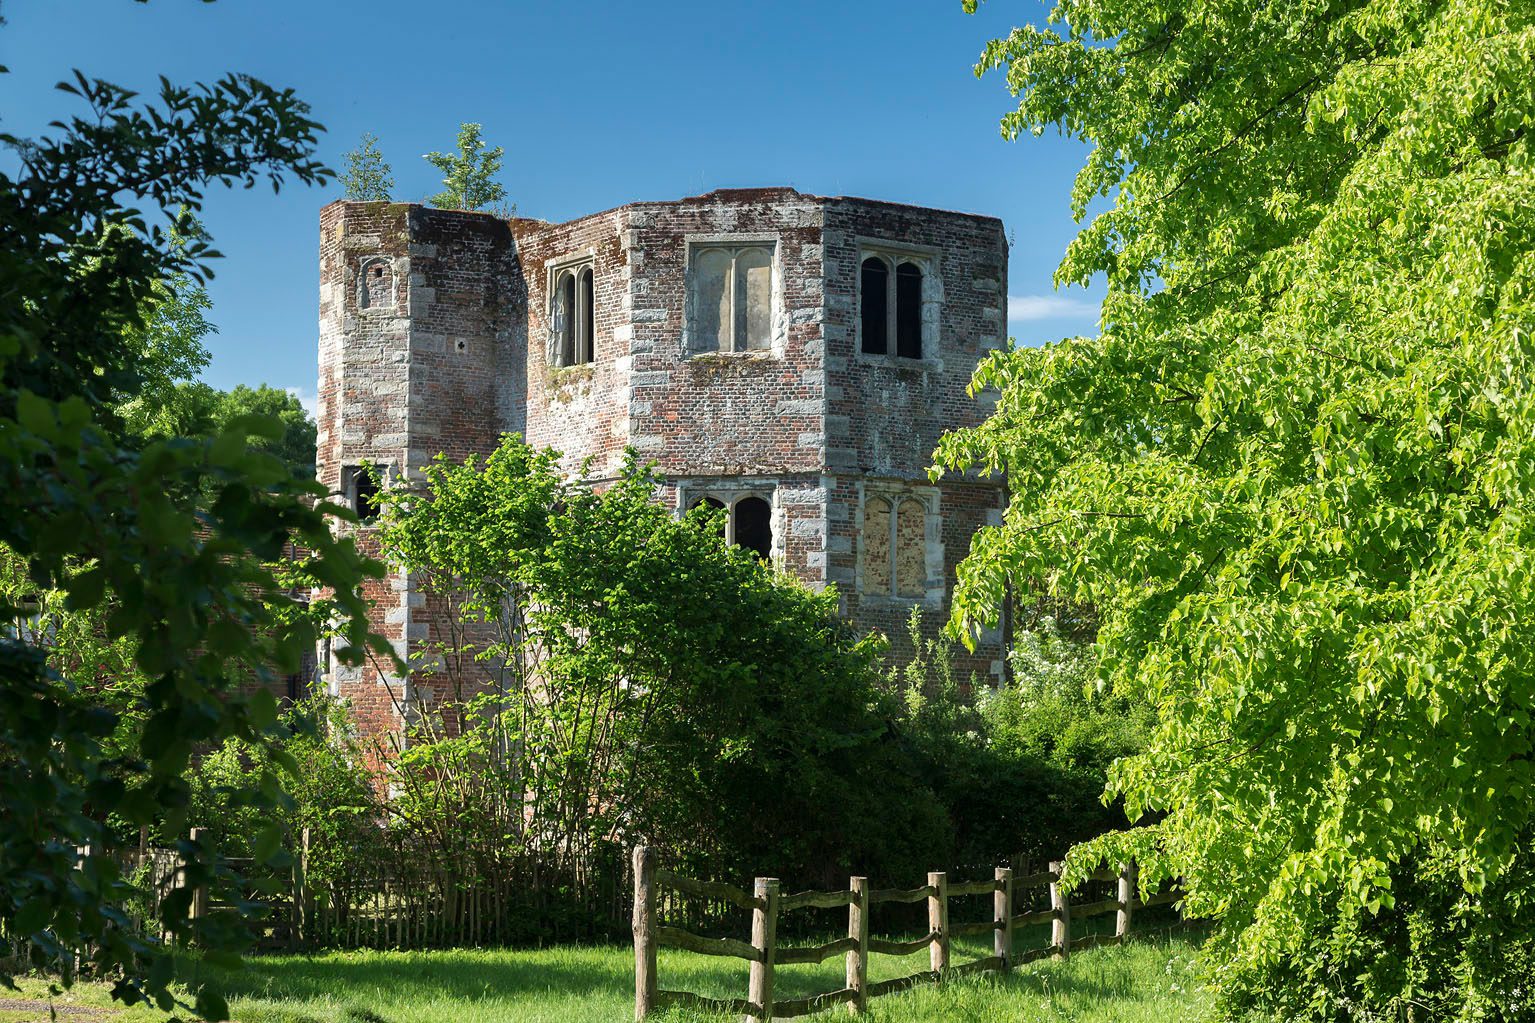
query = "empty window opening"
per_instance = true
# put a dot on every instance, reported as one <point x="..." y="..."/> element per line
<point x="362" y="488"/>
<point x="573" y="317"/>
<point x="891" y="296"/>
<point x="584" y="316"/>
<point x="875" y="303"/>
<point x="753" y="521"/>
<point x="717" y="505"/>
<point x="908" y="311"/>
<point x="748" y="522"/>
<point x="730" y="291"/>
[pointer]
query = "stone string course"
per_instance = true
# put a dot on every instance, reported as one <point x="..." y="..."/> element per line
<point x="435" y="337"/>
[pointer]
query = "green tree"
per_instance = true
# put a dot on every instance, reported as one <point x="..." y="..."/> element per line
<point x="366" y="177"/>
<point x="1294" y="474"/>
<point x="111" y="521"/>
<point x="469" y="175"/>
<point x="652" y="680"/>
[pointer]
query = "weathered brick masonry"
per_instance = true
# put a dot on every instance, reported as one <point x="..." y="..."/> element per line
<point x="724" y="340"/>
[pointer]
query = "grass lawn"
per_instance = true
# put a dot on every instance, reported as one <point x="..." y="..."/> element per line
<point x="1148" y="982"/>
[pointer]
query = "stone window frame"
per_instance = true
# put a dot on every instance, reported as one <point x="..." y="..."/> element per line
<point x="350" y="474"/>
<point x="366" y="264"/>
<point x="730" y="495"/>
<point x="573" y="263"/>
<point x="927" y="258"/>
<point x="894" y="493"/>
<point x="778" y="329"/>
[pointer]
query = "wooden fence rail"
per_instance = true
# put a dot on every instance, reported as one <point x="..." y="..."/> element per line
<point x="764" y="955"/>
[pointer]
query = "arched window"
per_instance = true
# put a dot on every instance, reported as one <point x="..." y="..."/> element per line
<point x="714" y="504"/>
<point x="876" y="545"/>
<point x="894" y="547"/>
<point x="730" y="298"/>
<point x="911" y="549"/>
<point x="874" y="311"/>
<point x="585" y="317"/>
<point x="377" y="290"/>
<point x="754" y="300"/>
<point x="753" y="526"/>
<point x="565" y="319"/>
<point x="572" y="315"/>
<point x="908" y="311"/>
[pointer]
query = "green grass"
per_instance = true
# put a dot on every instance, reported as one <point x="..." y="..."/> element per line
<point x="1148" y="981"/>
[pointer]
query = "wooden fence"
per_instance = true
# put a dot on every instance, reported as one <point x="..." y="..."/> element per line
<point x="400" y="902"/>
<point x="764" y="954"/>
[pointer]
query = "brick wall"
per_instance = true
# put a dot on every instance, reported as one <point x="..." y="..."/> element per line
<point x="435" y="336"/>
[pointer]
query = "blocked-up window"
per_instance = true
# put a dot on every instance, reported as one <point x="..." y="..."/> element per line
<point x="730" y="297"/>
<point x="377" y="284"/>
<point x="894" y="547"/>
<point x="876" y="545"/>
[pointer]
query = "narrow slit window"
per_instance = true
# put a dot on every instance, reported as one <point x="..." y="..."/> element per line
<point x="585" y="319"/>
<point x="565" y="318"/>
<point x="875" y="304"/>
<point x="908" y="311"/>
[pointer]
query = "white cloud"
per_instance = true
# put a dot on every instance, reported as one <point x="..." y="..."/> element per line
<point x="1027" y="308"/>
<point x="309" y="399"/>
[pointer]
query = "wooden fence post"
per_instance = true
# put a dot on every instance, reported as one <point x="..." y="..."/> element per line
<point x="1127" y="892"/>
<point x="200" y="893"/>
<point x="644" y="932"/>
<point x="858" y="958"/>
<point x="299" y="927"/>
<point x="1060" y="908"/>
<point x="1002" y="912"/>
<point x="764" y="940"/>
<point x="938" y="921"/>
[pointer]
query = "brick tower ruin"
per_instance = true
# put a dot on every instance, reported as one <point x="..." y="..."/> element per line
<point x="792" y="358"/>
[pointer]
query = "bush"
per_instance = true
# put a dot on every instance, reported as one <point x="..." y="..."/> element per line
<point x="1019" y="769"/>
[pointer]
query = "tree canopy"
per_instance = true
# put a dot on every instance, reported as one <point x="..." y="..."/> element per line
<point x="1295" y="473"/>
<point x="469" y="175"/>
<point x="175" y="536"/>
<point x="366" y="176"/>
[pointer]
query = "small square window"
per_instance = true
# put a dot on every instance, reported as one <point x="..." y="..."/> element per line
<point x="361" y="486"/>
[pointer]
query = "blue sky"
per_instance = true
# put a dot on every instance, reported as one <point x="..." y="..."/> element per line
<point x="597" y="104"/>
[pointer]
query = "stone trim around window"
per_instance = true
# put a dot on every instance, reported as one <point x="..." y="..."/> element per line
<point x="695" y="246"/>
<point x="376" y="287"/>
<point x="899" y="565"/>
<point x="730" y="494"/>
<point x="893" y="254"/>
<point x="571" y="335"/>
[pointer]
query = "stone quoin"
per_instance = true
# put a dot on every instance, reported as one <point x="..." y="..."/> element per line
<point x="793" y="358"/>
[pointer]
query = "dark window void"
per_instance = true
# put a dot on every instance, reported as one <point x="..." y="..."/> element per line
<point x="754" y="526"/>
<point x="366" y="502"/>
<point x="585" y="319"/>
<point x="565" y="319"/>
<point x="714" y="505"/>
<point x="908" y="311"/>
<point x="874" y="314"/>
